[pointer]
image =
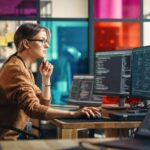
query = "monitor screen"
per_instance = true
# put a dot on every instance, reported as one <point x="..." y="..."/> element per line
<point x="112" y="73"/>
<point x="141" y="72"/>
<point x="81" y="92"/>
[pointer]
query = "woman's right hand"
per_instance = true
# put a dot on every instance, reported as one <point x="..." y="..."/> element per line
<point x="46" y="69"/>
<point x="88" y="111"/>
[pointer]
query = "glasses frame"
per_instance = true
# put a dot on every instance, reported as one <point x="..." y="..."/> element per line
<point x="43" y="41"/>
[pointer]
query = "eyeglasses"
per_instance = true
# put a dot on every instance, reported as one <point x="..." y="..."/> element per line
<point x="43" y="41"/>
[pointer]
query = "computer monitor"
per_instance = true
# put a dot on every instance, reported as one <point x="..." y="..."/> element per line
<point x="81" y="92"/>
<point x="140" y="73"/>
<point x="113" y="73"/>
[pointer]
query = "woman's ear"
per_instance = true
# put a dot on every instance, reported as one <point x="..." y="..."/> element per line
<point x="25" y="43"/>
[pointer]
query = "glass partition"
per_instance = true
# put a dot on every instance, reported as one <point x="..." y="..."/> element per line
<point x="116" y="35"/>
<point x="68" y="52"/>
<point x="117" y="9"/>
<point x="18" y="8"/>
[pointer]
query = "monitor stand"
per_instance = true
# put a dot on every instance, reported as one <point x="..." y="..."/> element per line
<point x="122" y="101"/>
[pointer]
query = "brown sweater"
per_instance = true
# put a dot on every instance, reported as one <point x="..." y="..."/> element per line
<point x="20" y="98"/>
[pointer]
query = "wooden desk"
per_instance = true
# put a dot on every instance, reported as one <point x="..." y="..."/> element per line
<point x="69" y="130"/>
<point x="49" y="144"/>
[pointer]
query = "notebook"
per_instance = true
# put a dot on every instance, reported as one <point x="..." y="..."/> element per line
<point x="141" y="140"/>
<point x="81" y="92"/>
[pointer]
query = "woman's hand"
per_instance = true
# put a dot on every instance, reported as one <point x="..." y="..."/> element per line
<point x="46" y="69"/>
<point x="88" y="111"/>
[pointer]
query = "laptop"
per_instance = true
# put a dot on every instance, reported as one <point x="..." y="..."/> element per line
<point x="141" y="140"/>
<point x="81" y="93"/>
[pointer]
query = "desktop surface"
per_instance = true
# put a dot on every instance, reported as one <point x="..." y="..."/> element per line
<point x="66" y="107"/>
<point x="68" y="129"/>
<point x="56" y="144"/>
<point x="115" y="107"/>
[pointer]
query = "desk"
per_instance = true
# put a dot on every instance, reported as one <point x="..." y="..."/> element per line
<point x="48" y="144"/>
<point x="69" y="130"/>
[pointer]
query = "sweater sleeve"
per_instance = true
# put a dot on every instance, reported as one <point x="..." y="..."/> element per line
<point x="22" y="93"/>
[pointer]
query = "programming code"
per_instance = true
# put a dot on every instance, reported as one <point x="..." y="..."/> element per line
<point x="141" y="72"/>
<point x="112" y="72"/>
<point x="82" y="87"/>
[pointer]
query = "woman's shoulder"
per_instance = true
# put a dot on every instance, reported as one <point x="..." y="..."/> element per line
<point x="14" y="65"/>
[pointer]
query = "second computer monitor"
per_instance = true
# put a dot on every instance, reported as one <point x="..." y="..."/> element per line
<point x="112" y="73"/>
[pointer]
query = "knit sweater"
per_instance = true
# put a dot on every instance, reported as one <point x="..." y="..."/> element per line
<point x="20" y="98"/>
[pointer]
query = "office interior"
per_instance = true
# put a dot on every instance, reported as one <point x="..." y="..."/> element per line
<point x="79" y="29"/>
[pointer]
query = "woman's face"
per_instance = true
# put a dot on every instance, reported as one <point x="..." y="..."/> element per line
<point x="38" y="45"/>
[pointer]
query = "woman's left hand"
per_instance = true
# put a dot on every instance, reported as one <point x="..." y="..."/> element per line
<point x="46" y="69"/>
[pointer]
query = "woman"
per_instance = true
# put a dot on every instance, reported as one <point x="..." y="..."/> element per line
<point x="20" y="98"/>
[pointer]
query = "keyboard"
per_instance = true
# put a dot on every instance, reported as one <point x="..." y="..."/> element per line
<point x="84" y="118"/>
<point x="121" y="116"/>
<point x="137" y="111"/>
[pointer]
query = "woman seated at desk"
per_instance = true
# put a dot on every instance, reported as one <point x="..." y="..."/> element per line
<point x="20" y="98"/>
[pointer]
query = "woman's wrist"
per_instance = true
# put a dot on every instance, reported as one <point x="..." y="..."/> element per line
<point x="46" y="82"/>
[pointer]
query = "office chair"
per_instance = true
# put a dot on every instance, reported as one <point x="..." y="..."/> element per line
<point x="23" y="134"/>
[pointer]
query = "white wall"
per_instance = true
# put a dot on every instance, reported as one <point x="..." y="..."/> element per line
<point x="146" y="9"/>
<point x="68" y="8"/>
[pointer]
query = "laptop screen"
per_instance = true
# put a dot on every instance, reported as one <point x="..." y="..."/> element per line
<point x="144" y="129"/>
<point x="81" y="93"/>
